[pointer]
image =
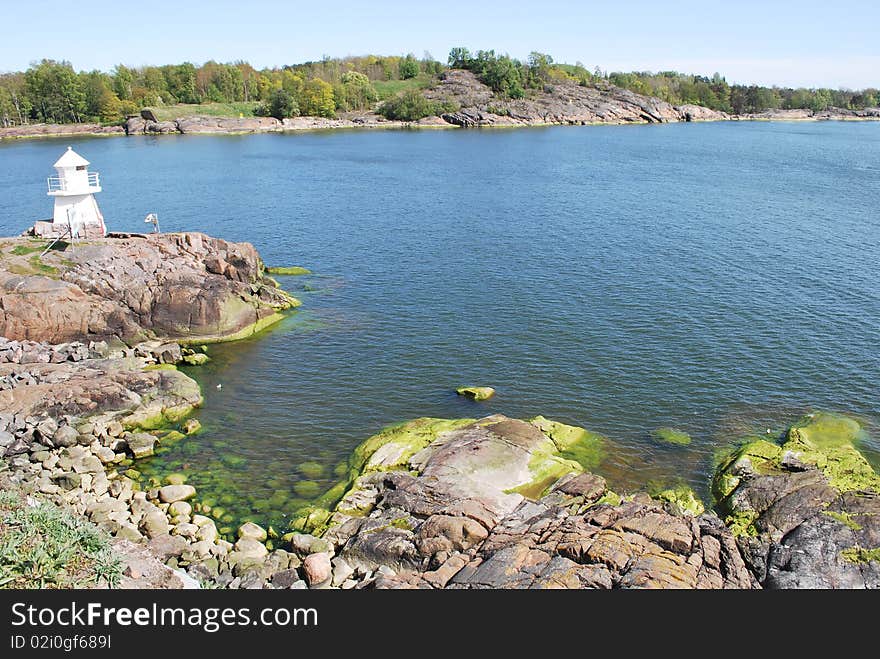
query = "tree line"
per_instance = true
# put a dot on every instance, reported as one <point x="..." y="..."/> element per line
<point x="53" y="92"/>
<point x="717" y="94"/>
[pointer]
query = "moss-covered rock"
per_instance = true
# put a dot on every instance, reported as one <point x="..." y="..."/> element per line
<point x="573" y="442"/>
<point x="671" y="436"/>
<point x="388" y="450"/>
<point x="682" y="499"/>
<point x="821" y="440"/>
<point x="196" y="359"/>
<point x="312" y="470"/>
<point x="476" y="393"/>
<point x="290" y="270"/>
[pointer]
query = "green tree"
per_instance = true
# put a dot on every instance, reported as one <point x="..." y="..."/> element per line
<point x="459" y="58"/>
<point x="356" y="92"/>
<point x="408" y="67"/>
<point x="282" y="105"/>
<point x="122" y="81"/>
<point x="316" y="99"/>
<point x="57" y="92"/>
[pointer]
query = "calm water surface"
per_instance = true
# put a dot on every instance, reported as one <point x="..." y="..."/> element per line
<point x="718" y="278"/>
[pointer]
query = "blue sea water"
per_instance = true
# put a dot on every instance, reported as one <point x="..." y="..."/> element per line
<point x="722" y="279"/>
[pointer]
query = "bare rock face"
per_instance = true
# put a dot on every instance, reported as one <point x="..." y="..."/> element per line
<point x="559" y="103"/>
<point x="227" y="124"/>
<point x="494" y="504"/>
<point x="182" y="285"/>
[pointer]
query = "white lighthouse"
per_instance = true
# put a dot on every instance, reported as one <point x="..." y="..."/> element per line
<point x="76" y="212"/>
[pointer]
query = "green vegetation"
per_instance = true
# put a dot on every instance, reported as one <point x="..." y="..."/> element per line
<point x="54" y="92"/>
<point x="861" y="555"/>
<point x="827" y="441"/>
<point x="411" y="105"/>
<point x="716" y="93"/>
<point x="43" y="546"/>
<point x="180" y="110"/>
<point x="476" y="393"/>
<point x="682" y="499"/>
<point x="288" y="270"/>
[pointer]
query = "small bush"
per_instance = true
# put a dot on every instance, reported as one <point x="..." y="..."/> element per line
<point x="411" y="105"/>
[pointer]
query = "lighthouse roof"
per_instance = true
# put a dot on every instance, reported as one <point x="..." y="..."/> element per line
<point x="71" y="159"/>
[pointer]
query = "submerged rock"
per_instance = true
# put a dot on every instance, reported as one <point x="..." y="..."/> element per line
<point x="293" y="270"/>
<point x="671" y="436"/>
<point x="476" y="393"/>
<point x="806" y="510"/>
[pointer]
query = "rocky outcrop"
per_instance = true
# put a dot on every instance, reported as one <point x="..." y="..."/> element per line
<point x="560" y="103"/>
<point x="140" y="125"/>
<point x="497" y="503"/>
<point x="179" y="286"/>
<point x="806" y="511"/>
<point x="58" y="130"/>
<point x="200" y="125"/>
<point x="831" y="114"/>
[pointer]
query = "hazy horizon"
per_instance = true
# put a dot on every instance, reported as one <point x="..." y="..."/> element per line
<point x="745" y="44"/>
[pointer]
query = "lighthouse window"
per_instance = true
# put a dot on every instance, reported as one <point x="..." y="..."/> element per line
<point x="80" y="168"/>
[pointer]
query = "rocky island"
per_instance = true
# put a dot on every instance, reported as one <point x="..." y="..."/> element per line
<point x="89" y="386"/>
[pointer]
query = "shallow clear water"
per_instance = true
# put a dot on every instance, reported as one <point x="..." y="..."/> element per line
<point x="717" y="278"/>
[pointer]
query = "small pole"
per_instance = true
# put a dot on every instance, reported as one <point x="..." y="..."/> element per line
<point x="153" y="219"/>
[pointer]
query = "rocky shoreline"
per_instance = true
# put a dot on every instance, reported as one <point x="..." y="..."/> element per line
<point x="564" y="103"/>
<point x="89" y="385"/>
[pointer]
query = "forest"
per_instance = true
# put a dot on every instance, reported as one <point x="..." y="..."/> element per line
<point x="53" y="91"/>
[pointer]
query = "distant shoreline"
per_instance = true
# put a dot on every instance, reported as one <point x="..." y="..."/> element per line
<point x="205" y="125"/>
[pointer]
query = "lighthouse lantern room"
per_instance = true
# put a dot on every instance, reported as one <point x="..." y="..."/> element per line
<point x="76" y="212"/>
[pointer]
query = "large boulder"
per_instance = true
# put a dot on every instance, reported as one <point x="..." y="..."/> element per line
<point x="179" y="285"/>
<point x="503" y="503"/>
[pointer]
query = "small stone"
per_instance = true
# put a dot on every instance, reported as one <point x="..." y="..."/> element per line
<point x="180" y="508"/>
<point x="341" y="570"/>
<point x="174" y="493"/>
<point x="65" y="436"/>
<point x="154" y="524"/>
<point x="207" y="532"/>
<point x="285" y="578"/>
<point x="191" y="426"/>
<point x="141" y="444"/>
<point x="68" y="481"/>
<point x="248" y="548"/>
<point x="299" y="585"/>
<point x="251" y="530"/>
<point x="317" y="569"/>
<point x="175" y="479"/>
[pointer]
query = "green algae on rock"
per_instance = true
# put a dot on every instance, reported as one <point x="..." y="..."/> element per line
<point x="389" y="449"/>
<point x="291" y="270"/>
<point x="518" y="457"/>
<point x="671" y="436"/>
<point x="820" y="440"/>
<point x="682" y="499"/>
<point x="573" y="442"/>
<point x="476" y="393"/>
<point x="312" y="470"/>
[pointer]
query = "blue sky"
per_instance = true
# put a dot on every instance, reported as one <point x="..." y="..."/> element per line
<point x="804" y="42"/>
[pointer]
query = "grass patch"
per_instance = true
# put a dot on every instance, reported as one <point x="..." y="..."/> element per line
<point x="385" y="89"/>
<point x="22" y="250"/>
<point x="170" y="112"/>
<point x="40" y="267"/>
<point x="44" y="546"/>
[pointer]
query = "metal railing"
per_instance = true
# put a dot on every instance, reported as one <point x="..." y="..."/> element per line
<point x="59" y="184"/>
